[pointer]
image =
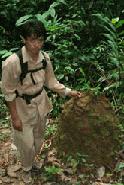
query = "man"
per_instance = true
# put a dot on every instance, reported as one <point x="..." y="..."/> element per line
<point x="23" y="77"/>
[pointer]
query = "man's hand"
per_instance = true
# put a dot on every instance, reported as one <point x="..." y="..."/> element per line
<point x="75" y="94"/>
<point x="17" y="124"/>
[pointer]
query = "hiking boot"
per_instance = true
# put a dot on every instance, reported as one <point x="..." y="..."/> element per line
<point x="37" y="165"/>
<point x="26" y="177"/>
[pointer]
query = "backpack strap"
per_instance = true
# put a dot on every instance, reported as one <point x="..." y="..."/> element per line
<point x="44" y="61"/>
<point x="27" y="97"/>
<point x="24" y="66"/>
<point x="24" y="71"/>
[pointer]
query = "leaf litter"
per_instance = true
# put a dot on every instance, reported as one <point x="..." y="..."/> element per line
<point x="59" y="171"/>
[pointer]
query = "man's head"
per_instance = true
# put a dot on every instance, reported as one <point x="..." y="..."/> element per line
<point x="33" y="28"/>
<point x="33" y="34"/>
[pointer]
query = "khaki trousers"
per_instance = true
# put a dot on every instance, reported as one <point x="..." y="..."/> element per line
<point x="29" y="141"/>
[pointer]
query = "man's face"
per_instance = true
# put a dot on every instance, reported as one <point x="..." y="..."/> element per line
<point x="34" y="44"/>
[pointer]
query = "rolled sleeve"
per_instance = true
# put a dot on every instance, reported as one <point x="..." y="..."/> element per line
<point x="67" y="91"/>
<point x="51" y="82"/>
<point x="9" y="79"/>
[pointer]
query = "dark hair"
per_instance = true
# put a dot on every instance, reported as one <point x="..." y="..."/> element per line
<point x="33" y="27"/>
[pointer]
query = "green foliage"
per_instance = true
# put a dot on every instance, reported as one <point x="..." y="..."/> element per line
<point x="119" y="167"/>
<point x="4" y="119"/>
<point x="76" y="161"/>
<point x="4" y="123"/>
<point x="4" y="53"/>
<point x="42" y="17"/>
<point x="51" y="129"/>
<point x="89" y="60"/>
<point x="86" y="48"/>
<point x="51" y="171"/>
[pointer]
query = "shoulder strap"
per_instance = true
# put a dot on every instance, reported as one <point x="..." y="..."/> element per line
<point x="44" y="61"/>
<point x="24" y="66"/>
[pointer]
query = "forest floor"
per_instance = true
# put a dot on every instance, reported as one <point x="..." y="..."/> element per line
<point x="54" y="171"/>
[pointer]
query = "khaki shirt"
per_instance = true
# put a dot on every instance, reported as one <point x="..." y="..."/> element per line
<point x="11" y="81"/>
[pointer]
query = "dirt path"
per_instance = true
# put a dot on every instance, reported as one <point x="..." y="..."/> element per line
<point x="55" y="171"/>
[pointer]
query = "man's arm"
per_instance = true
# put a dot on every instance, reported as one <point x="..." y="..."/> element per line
<point x="10" y="77"/>
<point x="52" y="83"/>
<point x="16" y="122"/>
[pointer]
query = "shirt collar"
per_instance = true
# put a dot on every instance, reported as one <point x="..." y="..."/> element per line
<point x="27" y="58"/>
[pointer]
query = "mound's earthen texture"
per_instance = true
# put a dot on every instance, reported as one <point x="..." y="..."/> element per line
<point x="88" y="125"/>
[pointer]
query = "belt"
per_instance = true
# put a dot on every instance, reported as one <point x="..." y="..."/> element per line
<point x="27" y="97"/>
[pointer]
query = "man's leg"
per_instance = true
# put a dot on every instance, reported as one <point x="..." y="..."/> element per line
<point x="38" y="132"/>
<point x="25" y="144"/>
